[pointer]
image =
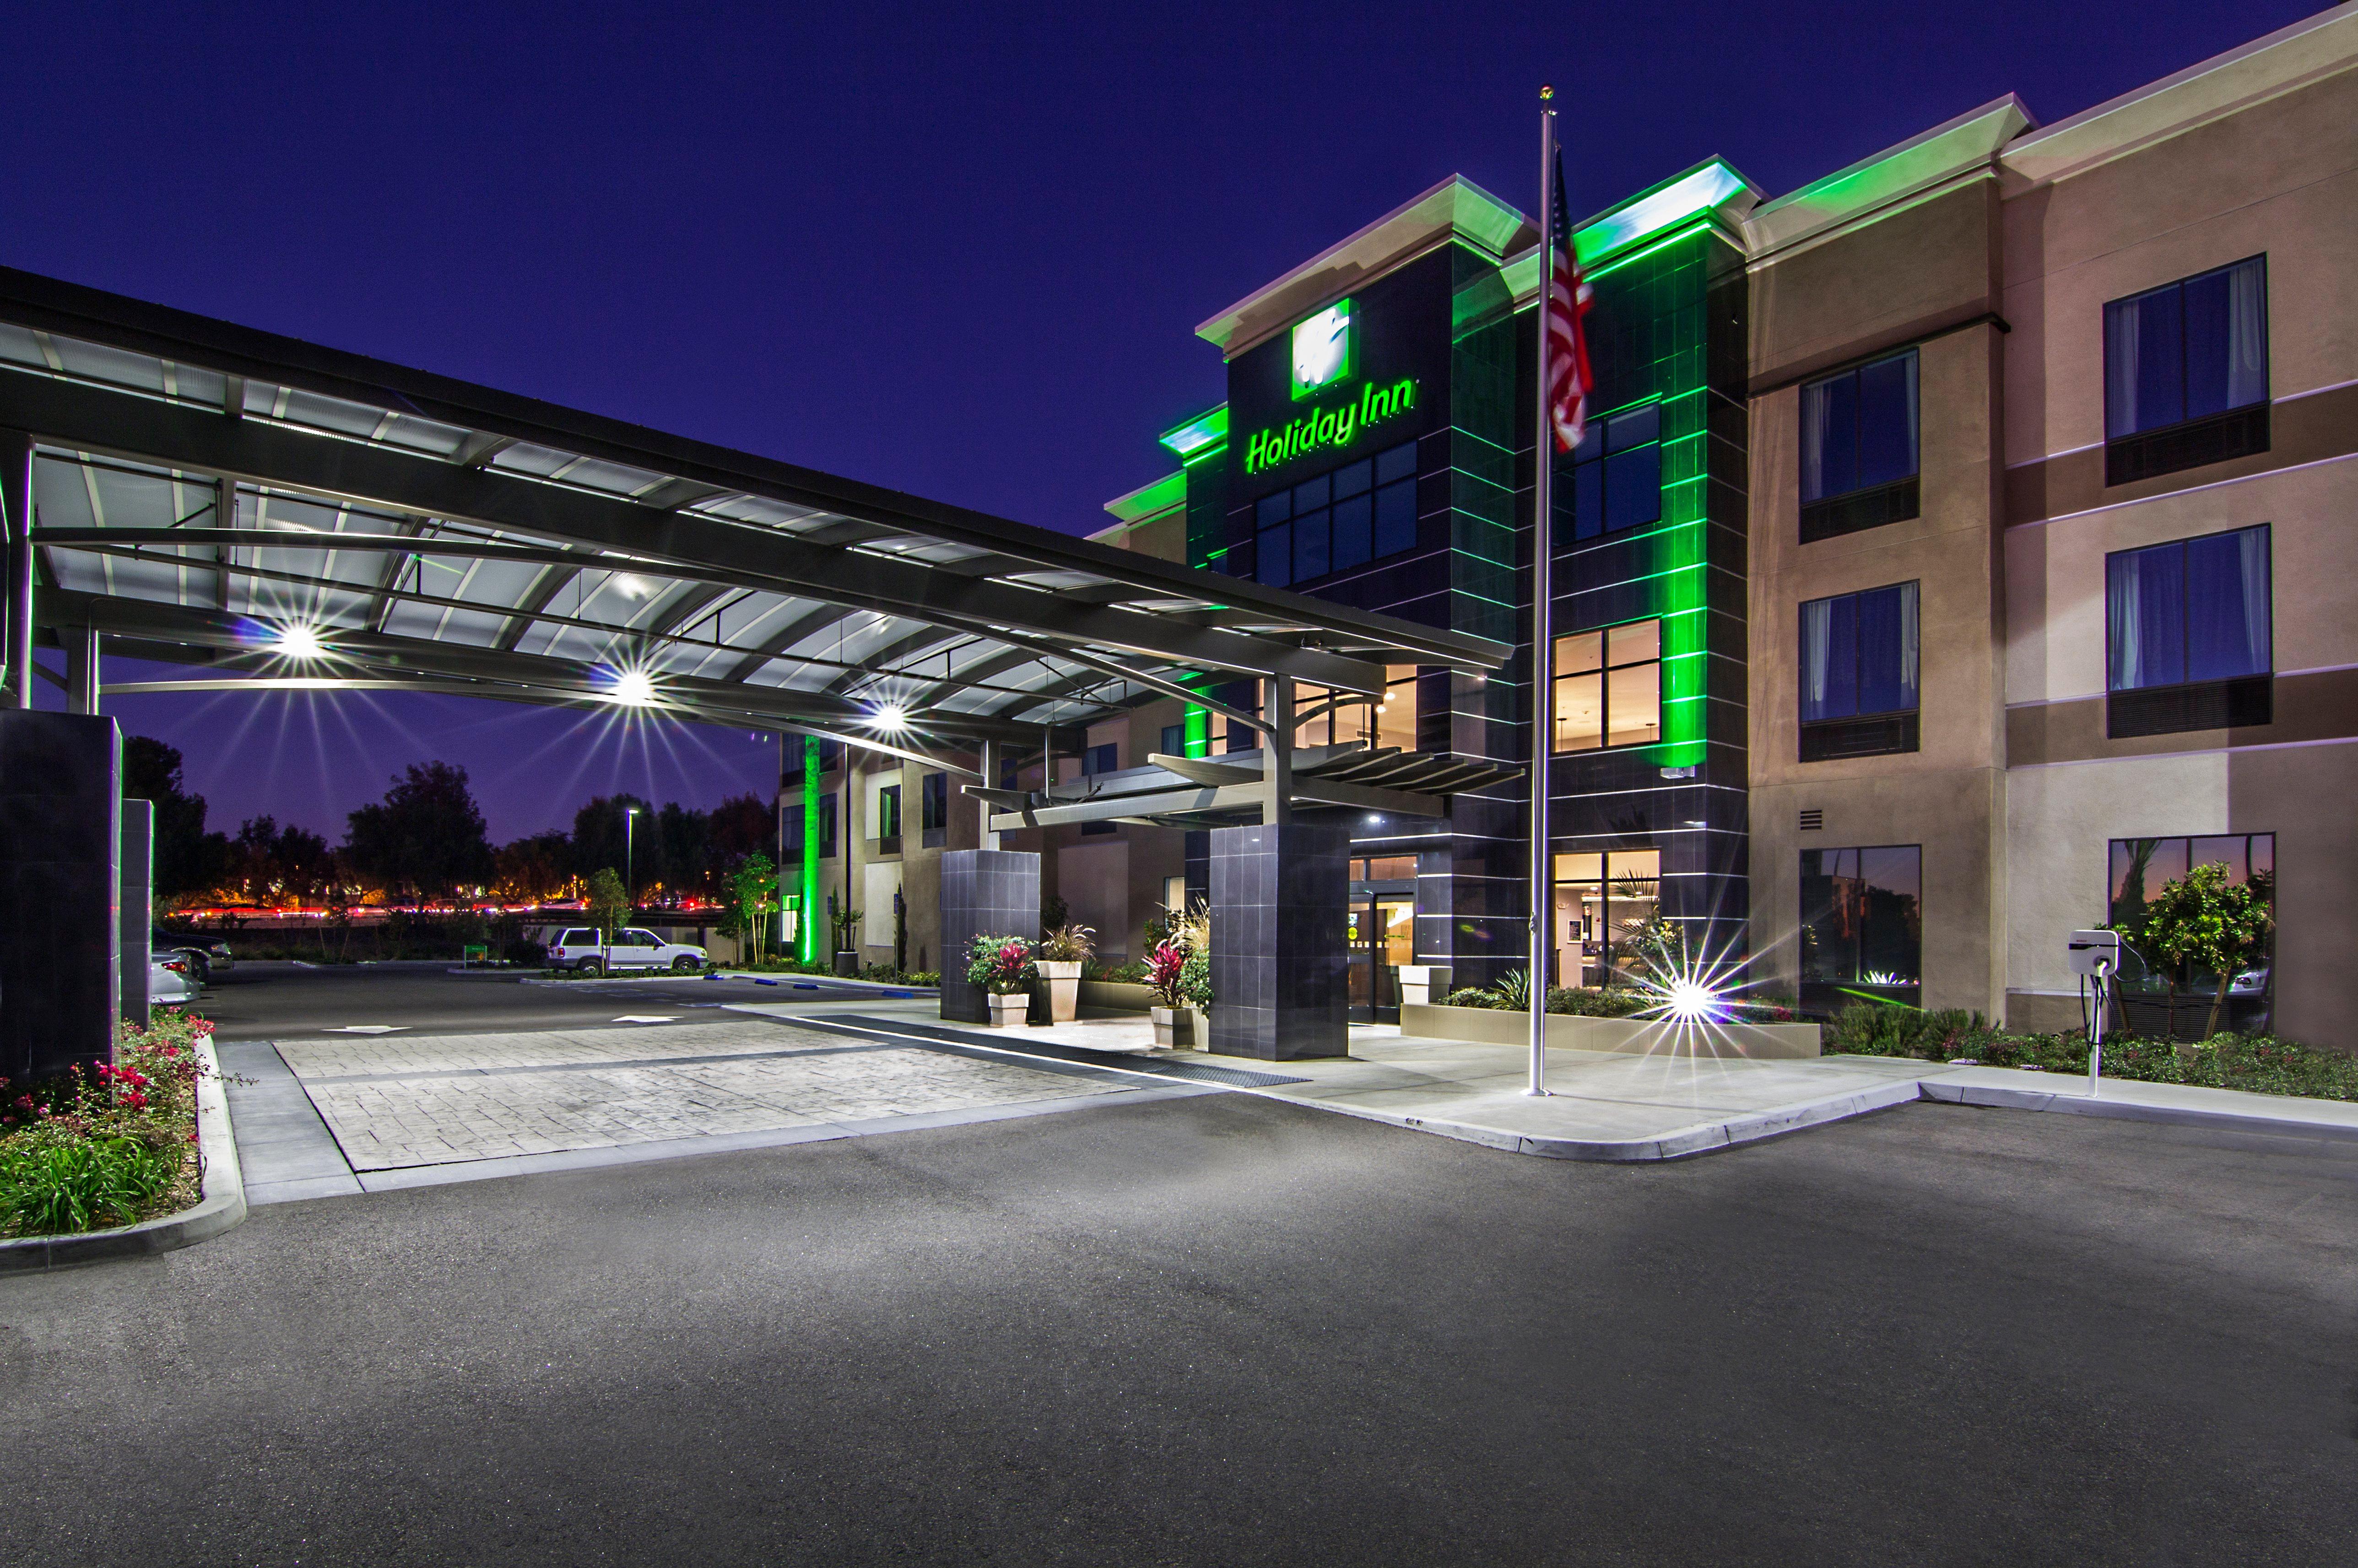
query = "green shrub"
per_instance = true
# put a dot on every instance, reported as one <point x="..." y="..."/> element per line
<point x="54" y="1187"/>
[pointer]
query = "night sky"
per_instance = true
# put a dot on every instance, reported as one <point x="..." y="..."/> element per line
<point x="956" y="251"/>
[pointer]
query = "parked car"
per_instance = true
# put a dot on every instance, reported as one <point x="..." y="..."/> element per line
<point x="585" y="949"/>
<point x="170" y="982"/>
<point x="205" y="958"/>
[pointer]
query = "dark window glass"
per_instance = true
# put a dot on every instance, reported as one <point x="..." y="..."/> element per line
<point x="1862" y="924"/>
<point x="1276" y="554"/>
<point x="1311" y="494"/>
<point x="1633" y="487"/>
<point x="1395" y="518"/>
<point x="1310" y="545"/>
<point x="934" y="802"/>
<point x="1858" y="428"/>
<point x="888" y="812"/>
<point x="1859" y="654"/>
<point x="2192" y="609"/>
<point x="1397" y="463"/>
<point x="1617" y="473"/>
<point x="826" y="827"/>
<point x="1102" y="759"/>
<point x="1354" y="536"/>
<point x="1353" y="479"/>
<point x="1274" y="509"/>
<point x="2188" y="349"/>
<point x="1174" y="740"/>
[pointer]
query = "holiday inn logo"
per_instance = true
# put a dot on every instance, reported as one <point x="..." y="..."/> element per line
<point x="1321" y="349"/>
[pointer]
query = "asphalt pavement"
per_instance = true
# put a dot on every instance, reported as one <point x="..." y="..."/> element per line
<point x="1225" y="1330"/>
<point x="277" y="1000"/>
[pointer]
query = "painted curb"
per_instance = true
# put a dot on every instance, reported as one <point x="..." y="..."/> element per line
<point x="222" y="1208"/>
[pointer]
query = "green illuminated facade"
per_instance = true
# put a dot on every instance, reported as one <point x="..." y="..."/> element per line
<point x="1428" y="354"/>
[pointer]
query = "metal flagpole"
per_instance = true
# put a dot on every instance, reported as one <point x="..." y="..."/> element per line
<point x="1542" y="588"/>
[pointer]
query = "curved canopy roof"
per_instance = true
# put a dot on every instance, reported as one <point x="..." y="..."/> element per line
<point x="211" y="494"/>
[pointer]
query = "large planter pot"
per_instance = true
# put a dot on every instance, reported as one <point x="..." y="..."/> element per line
<point x="847" y="965"/>
<point x="1199" y="1028"/>
<point x="1007" y="1011"/>
<point x="1064" y="978"/>
<point x="1174" y="1026"/>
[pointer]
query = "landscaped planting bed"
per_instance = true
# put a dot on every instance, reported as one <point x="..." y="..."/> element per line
<point x="2260" y="1064"/>
<point x="91" y="1150"/>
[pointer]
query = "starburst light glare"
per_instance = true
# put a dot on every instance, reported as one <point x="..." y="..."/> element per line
<point x="1691" y="1000"/>
<point x="633" y="689"/>
<point x="892" y="716"/>
<point x="299" y="641"/>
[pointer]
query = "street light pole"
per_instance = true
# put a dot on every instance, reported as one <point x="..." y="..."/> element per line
<point x="629" y="880"/>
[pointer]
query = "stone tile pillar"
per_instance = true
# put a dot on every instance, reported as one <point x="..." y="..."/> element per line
<point x="60" y="813"/>
<point x="993" y="891"/>
<point x="1279" y="944"/>
<point x="137" y="866"/>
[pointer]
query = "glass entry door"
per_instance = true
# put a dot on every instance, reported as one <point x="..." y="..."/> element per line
<point x="1382" y="938"/>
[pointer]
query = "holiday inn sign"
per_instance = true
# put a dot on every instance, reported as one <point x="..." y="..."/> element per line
<point x="1323" y="355"/>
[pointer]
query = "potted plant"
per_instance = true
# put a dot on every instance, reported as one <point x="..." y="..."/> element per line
<point x="1062" y="953"/>
<point x="1002" y="966"/>
<point x="847" y="957"/>
<point x="1193" y="932"/>
<point x="1164" y="965"/>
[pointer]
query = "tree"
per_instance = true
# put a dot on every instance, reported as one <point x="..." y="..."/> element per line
<point x="607" y="902"/>
<point x="683" y="838"/>
<point x="536" y="869"/>
<point x="741" y="826"/>
<point x="600" y="838"/>
<point x="271" y="864"/>
<point x="2210" y="923"/>
<point x="187" y="859"/>
<point x="753" y="889"/>
<point x="426" y="838"/>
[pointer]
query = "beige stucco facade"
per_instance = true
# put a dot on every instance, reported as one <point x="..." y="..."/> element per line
<point x="1993" y="248"/>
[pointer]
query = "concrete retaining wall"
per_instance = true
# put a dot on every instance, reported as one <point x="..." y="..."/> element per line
<point x="1634" y="1036"/>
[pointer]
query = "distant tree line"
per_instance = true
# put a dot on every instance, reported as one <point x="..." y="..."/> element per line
<point x="425" y="840"/>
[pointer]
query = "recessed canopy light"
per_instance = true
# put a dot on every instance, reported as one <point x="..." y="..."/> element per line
<point x="892" y="716"/>
<point x="633" y="689"/>
<point x="299" y="641"/>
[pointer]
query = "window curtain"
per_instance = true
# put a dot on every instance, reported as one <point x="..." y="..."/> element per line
<point x="2121" y="369"/>
<point x="1908" y="633"/>
<point x="1817" y="636"/>
<point x="2247" y="335"/>
<point x="2253" y="547"/>
<point x="2122" y="616"/>
<point x="1814" y="401"/>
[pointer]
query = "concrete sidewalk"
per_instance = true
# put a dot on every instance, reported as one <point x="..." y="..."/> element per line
<point x="1620" y="1108"/>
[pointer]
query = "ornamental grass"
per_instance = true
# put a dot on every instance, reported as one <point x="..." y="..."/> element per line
<point x="92" y="1148"/>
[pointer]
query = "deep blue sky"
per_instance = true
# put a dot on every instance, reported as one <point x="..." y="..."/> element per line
<point x="960" y="252"/>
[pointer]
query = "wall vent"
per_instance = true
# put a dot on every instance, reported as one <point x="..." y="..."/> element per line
<point x="1812" y="819"/>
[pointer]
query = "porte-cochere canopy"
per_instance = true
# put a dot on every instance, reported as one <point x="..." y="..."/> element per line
<point x="284" y="513"/>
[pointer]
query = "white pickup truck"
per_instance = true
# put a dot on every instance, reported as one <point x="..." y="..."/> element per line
<point x="584" y="948"/>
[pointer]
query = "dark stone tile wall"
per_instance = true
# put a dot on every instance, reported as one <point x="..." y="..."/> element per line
<point x="137" y="866"/>
<point x="993" y="891"/>
<point x="1279" y="959"/>
<point x="60" y="798"/>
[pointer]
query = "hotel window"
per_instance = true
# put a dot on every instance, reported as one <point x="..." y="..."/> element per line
<point x="1174" y="740"/>
<point x="1609" y="687"/>
<point x="1859" y="673"/>
<point x="1390" y="722"/>
<point x="2187" y="635"/>
<point x="1862" y="925"/>
<point x="1858" y="449"/>
<point x="826" y="827"/>
<point x="1362" y="512"/>
<point x="2155" y="999"/>
<point x="934" y="810"/>
<point x="1603" y="902"/>
<point x="2186" y="374"/>
<point x="1617" y="473"/>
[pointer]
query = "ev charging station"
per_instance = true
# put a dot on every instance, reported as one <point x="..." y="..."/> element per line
<point x="2096" y="958"/>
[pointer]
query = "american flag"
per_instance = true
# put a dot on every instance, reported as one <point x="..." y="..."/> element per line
<point x="1569" y="380"/>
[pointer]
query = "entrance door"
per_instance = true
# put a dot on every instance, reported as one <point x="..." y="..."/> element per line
<point x="1382" y="938"/>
